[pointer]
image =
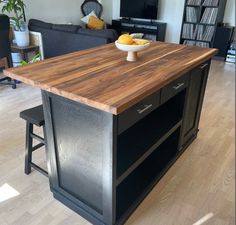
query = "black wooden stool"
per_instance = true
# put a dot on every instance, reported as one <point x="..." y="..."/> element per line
<point x="33" y="117"/>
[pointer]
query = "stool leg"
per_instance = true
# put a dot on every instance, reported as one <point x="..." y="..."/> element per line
<point x="44" y="136"/>
<point x="28" y="147"/>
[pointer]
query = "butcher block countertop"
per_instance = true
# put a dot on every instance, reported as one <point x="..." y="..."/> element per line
<point x="102" y="78"/>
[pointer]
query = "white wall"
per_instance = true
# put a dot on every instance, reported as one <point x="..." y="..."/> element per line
<point x="230" y="12"/>
<point x="116" y="9"/>
<point x="58" y="11"/>
<point x="107" y="10"/>
<point x="171" y="12"/>
<point x="62" y="11"/>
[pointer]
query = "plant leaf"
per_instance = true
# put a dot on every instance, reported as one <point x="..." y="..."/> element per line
<point x="23" y="63"/>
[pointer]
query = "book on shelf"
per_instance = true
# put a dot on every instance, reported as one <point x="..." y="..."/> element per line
<point x="209" y="16"/>
<point x="188" y="31"/>
<point x="208" y="33"/>
<point x="204" y="33"/>
<point x="194" y="2"/>
<point x="202" y="44"/>
<point x="197" y="43"/>
<point x="189" y="43"/>
<point x="199" y="32"/>
<point x="191" y="14"/>
<point x="210" y="3"/>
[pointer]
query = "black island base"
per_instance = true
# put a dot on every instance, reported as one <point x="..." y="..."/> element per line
<point x="103" y="165"/>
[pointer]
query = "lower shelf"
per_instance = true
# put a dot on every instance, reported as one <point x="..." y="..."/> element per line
<point x="131" y="191"/>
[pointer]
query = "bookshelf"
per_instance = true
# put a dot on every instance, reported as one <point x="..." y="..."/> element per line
<point x="200" y="20"/>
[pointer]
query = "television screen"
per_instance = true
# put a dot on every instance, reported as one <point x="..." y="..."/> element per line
<point x="143" y="9"/>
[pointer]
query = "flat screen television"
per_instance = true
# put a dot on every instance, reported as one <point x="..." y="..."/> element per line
<point x="142" y="9"/>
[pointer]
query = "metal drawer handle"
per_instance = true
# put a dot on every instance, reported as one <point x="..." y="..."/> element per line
<point x="146" y="107"/>
<point x="178" y="86"/>
<point x="204" y="66"/>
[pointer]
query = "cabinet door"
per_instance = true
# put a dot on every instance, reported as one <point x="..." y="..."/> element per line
<point x="194" y="101"/>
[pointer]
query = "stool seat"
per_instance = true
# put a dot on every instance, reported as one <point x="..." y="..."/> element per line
<point x="34" y="115"/>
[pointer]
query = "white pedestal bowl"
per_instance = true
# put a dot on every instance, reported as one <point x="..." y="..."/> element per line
<point x="132" y="50"/>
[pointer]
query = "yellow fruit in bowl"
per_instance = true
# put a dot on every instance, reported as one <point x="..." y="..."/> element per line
<point x="141" y="41"/>
<point x="125" y="39"/>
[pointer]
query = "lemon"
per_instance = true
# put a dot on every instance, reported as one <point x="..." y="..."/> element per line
<point x="125" y="39"/>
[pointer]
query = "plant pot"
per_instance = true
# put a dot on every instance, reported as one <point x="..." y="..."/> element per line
<point x="16" y="59"/>
<point x="22" y="38"/>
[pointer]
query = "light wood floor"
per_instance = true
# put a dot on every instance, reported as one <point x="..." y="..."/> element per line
<point x="199" y="186"/>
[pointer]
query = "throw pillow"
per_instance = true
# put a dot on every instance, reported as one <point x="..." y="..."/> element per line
<point x="86" y="18"/>
<point x="95" y="23"/>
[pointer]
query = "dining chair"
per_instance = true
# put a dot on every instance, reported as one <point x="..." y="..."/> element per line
<point x="92" y="5"/>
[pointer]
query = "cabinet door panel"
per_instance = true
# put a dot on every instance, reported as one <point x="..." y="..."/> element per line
<point x="195" y="96"/>
<point x="193" y="99"/>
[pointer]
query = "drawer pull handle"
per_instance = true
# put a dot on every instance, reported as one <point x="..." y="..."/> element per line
<point x="204" y="66"/>
<point x="146" y="107"/>
<point x="178" y="86"/>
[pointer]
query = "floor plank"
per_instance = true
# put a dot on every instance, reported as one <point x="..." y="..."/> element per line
<point x="200" y="185"/>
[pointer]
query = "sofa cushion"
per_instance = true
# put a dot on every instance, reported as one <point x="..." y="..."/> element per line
<point x="105" y="33"/>
<point x="38" y="23"/>
<point x="66" y="28"/>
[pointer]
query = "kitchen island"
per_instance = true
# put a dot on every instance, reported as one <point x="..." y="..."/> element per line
<point x="113" y="128"/>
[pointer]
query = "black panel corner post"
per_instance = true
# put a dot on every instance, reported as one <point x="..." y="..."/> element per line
<point x="109" y="176"/>
<point x="81" y="154"/>
<point x="49" y="141"/>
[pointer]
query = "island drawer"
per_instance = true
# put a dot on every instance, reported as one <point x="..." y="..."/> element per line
<point x="174" y="88"/>
<point x="138" y="112"/>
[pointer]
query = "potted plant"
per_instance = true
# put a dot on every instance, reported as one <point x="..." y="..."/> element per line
<point x="15" y="8"/>
<point x="35" y="59"/>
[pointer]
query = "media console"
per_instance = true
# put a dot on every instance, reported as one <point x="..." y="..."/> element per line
<point x="155" y="29"/>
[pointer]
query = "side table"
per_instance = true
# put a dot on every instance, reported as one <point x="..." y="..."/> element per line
<point x="25" y="50"/>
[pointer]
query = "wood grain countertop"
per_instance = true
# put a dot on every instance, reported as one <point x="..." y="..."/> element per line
<point x="102" y="78"/>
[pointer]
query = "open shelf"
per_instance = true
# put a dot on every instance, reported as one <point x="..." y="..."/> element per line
<point x="189" y="5"/>
<point x="203" y="6"/>
<point x="132" y="190"/>
<point x="204" y="24"/>
<point x="138" y="29"/>
<point x="138" y="142"/>
<point x="189" y="39"/>
<point x="147" y="153"/>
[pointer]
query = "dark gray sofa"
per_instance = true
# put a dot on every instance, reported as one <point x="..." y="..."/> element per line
<point x="59" y="39"/>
